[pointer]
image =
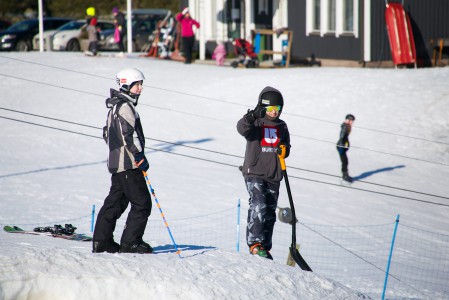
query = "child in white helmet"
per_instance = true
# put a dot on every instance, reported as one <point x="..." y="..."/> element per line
<point x="126" y="162"/>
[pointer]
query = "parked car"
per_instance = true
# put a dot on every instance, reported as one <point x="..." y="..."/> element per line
<point x="74" y="36"/>
<point x="144" y="22"/>
<point x="19" y="36"/>
<point x="48" y="35"/>
<point x="4" y="24"/>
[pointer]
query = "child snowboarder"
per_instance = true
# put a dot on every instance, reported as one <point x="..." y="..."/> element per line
<point x="124" y="135"/>
<point x="343" y="146"/>
<point x="264" y="133"/>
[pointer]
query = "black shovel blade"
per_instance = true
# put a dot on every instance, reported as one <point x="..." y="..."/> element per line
<point x="299" y="259"/>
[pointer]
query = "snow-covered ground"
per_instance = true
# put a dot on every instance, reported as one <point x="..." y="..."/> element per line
<point x="400" y="139"/>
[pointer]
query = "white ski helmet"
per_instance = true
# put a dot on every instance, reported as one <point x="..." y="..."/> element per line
<point x="126" y="77"/>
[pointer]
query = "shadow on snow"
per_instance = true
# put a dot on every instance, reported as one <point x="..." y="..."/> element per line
<point x="169" y="148"/>
<point x="193" y="250"/>
<point x="370" y="173"/>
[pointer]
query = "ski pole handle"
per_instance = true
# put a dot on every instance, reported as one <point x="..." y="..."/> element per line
<point x="282" y="157"/>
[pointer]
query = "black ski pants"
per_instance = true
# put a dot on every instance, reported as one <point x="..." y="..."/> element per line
<point x="121" y="45"/>
<point x="261" y="212"/>
<point x="93" y="47"/>
<point x="187" y="48"/>
<point x="343" y="158"/>
<point x="128" y="186"/>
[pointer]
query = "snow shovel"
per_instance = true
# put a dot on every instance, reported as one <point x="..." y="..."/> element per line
<point x="293" y="250"/>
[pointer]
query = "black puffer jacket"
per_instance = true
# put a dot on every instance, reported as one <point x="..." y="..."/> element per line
<point x="343" y="142"/>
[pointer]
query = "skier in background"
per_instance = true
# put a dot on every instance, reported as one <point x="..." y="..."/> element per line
<point x="343" y="146"/>
<point x="124" y="135"/>
<point x="264" y="133"/>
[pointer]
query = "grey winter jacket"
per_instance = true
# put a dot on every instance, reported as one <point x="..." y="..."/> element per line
<point x="263" y="137"/>
<point x="92" y="33"/>
<point x="123" y="133"/>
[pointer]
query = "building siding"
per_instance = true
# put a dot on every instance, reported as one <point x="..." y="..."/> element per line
<point x="326" y="47"/>
<point x="429" y="19"/>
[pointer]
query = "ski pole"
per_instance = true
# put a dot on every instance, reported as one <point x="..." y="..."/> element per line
<point x="162" y="214"/>
<point x="293" y="250"/>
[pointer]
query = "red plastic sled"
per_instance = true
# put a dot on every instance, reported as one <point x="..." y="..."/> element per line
<point x="400" y="34"/>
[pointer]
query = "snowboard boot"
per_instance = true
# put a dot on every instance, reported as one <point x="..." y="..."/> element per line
<point x="138" y="247"/>
<point x="347" y="178"/>
<point x="258" y="249"/>
<point x="105" y="246"/>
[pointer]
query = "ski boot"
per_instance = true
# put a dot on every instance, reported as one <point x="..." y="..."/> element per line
<point x="139" y="247"/>
<point x="347" y="178"/>
<point x="258" y="249"/>
<point x="105" y="246"/>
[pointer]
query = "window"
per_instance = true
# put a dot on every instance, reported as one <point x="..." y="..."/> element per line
<point x="316" y="15"/>
<point x="263" y="7"/>
<point x="331" y="12"/>
<point x="336" y="17"/>
<point x="348" y="15"/>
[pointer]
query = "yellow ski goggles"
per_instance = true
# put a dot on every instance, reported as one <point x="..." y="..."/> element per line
<point x="273" y="108"/>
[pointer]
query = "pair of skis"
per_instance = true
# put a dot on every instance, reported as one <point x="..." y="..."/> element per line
<point x="73" y="237"/>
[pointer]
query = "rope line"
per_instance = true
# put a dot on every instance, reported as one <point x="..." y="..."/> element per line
<point x="225" y="154"/>
<point x="355" y="147"/>
<point x="218" y="100"/>
<point x="231" y="165"/>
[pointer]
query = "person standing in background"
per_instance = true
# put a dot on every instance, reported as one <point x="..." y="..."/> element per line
<point x="92" y="33"/>
<point x="120" y="28"/>
<point x="187" y="34"/>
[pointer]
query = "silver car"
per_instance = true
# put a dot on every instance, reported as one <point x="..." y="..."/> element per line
<point x="75" y="39"/>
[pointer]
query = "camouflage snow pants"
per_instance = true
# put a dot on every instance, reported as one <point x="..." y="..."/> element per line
<point x="262" y="211"/>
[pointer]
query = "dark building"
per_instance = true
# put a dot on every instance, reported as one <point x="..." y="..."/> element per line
<point x="355" y="30"/>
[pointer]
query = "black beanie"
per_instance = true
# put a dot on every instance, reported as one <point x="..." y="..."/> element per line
<point x="271" y="98"/>
<point x="350" y="117"/>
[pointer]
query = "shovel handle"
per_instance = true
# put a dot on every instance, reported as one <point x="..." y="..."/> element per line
<point x="282" y="157"/>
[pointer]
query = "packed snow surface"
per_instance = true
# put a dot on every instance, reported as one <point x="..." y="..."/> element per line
<point x="400" y="138"/>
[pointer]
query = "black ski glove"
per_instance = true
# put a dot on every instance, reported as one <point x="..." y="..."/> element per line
<point x="141" y="161"/>
<point x="287" y="149"/>
<point x="253" y="115"/>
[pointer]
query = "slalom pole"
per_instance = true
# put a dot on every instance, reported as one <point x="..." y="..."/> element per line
<point x="293" y="250"/>
<point x="162" y="214"/>
<point x="238" y="226"/>
<point x="92" y="223"/>
<point x="389" y="257"/>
